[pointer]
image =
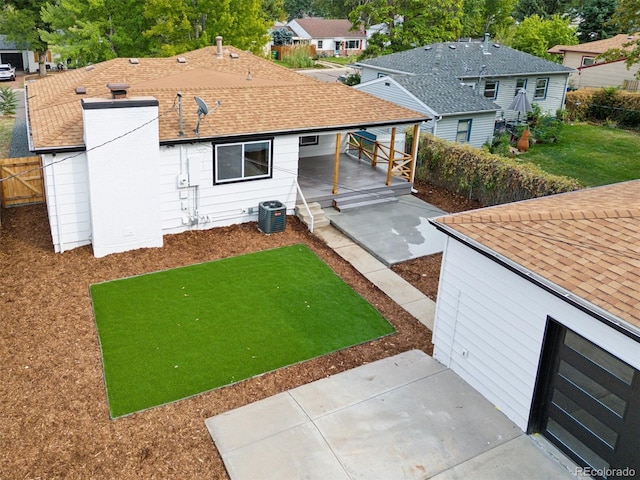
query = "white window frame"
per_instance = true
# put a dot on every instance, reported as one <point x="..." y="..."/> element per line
<point x="243" y="177"/>
<point x="320" y="44"/>
<point x="466" y="123"/>
<point x="586" y="61"/>
<point x="308" y="140"/>
<point x="495" y="84"/>
<point x="350" y="44"/>
<point x="520" y="83"/>
<point x="541" y="91"/>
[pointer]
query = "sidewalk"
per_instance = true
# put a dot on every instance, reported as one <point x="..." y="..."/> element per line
<point x="394" y="286"/>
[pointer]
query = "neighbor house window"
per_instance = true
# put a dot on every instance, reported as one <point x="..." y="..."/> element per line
<point x="464" y="131"/>
<point x="308" y="140"/>
<point x="491" y="89"/>
<point x="242" y="161"/>
<point x="541" y="88"/>
<point x="353" y="44"/>
<point x="320" y="44"/>
<point x="520" y="83"/>
<point x="586" y="61"/>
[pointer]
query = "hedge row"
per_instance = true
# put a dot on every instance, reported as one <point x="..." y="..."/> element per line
<point x="479" y="175"/>
<point x="604" y="105"/>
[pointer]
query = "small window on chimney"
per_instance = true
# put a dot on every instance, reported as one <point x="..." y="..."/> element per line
<point x="81" y="90"/>
<point x="134" y="61"/>
<point x="181" y="60"/>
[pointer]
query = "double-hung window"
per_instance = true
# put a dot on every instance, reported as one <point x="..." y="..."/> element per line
<point x="541" y="88"/>
<point x="353" y="44"/>
<point x="235" y="162"/>
<point x="491" y="89"/>
<point x="464" y="131"/>
<point x="520" y="83"/>
<point x="320" y="44"/>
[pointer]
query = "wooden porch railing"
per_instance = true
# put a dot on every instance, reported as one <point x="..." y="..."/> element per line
<point x="400" y="164"/>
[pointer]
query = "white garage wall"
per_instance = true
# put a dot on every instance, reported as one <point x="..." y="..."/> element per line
<point x="490" y="323"/>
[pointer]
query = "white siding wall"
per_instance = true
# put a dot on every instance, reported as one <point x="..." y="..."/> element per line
<point x="482" y="125"/>
<point x="326" y="146"/>
<point x="212" y="206"/>
<point x="203" y="205"/>
<point x="367" y="74"/>
<point x="553" y="101"/>
<point x="67" y="195"/>
<point x="490" y="323"/>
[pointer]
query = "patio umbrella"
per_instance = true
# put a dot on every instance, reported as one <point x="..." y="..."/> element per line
<point x="520" y="103"/>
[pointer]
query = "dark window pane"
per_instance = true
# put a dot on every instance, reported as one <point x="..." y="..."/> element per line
<point x="229" y="162"/>
<point x="576" y="446"/>
<point x="256" y="159"/>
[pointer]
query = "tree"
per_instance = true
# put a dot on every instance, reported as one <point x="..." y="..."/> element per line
<point x="282" y="36"/>
<point x="274" y="10"/>
<point x="626" y="16"/>
<point x="542" y="8"/>
<point x="407" y="24"/>
<point x="486" y="16"/>
<point x="596" y="21"/>
<point x="90" y="32"/>
<point x="536" y="35"/>
<point x="20" y="21"/>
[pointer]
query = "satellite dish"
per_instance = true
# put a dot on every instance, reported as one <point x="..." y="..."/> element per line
<point x="202" y="106"/>
<point x="202" y="110"/>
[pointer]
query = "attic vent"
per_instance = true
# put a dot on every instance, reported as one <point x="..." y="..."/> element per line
<point x="234" y="55"/>
<point x="181" y="60"/>
<point x="496" y="45"/>
<point x="452" y="47"/>
<point x="89" y="67"/>
<point x="81" y="90"/>
<point x="134" y="61"/>
<point x="118" y="90"/>
<point x="428" y="47"/>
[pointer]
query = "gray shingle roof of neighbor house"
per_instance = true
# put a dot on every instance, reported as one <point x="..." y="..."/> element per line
<point x="465" y="60"/>
<point x="446" y="95"/>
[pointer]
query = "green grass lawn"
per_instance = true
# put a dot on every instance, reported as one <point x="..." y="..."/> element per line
<point x="6" y="130"/>
<point x="173" y="334"/>
<point x="593" y="155"/>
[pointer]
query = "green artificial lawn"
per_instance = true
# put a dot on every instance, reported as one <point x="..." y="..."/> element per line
<point x="594" y="155"/>
<point x="172" y="334"/>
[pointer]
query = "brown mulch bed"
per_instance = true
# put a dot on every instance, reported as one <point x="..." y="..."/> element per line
<point x="54" y="418"/>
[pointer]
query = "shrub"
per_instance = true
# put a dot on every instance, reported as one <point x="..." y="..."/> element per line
<point x="490" y="179"/>
<point x="8" y="101"/>
<point x="605" y="105"/>
<point x="547" y="129"/>
<point x="298" y="57"/>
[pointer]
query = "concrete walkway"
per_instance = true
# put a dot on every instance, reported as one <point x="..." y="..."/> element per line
<point x="394" y="286"/>
<point x="403" y="417"/>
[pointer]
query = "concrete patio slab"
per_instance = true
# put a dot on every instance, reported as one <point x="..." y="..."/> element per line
<point x="403" y="417"/>
<point x="392" y="232"/>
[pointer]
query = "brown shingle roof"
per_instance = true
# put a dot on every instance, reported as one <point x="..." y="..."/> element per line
<point x="274" y="100"/>
<point x="329" y="28"/>
<point x="597" y="47"/>
<point x="587" y="242"/>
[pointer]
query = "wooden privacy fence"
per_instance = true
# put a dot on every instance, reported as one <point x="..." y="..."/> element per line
<point x="22" y="181"/>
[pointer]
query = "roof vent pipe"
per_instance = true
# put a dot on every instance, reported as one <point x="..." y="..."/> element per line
<point x="218" y="46"/>
<point x="118" y="90"/>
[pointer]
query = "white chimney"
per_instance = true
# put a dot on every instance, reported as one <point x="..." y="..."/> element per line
<point x="218" y="46"/>
<point x="485" y="49"/>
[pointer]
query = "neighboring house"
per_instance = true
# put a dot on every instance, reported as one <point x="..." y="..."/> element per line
<point x="134" y="149"/>
<point x="539" y="309"/>
<point x="20" y="57"/>
<point x="493" y="71"/>
<point x="595" y="72"/>
<point x="457" y="112"/>
<point x="332" y="37"/>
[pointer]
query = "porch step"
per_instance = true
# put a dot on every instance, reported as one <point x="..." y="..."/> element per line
<point x="319" y="218"/>
<point x="358" y="200"/>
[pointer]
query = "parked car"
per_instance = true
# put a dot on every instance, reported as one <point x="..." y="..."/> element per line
<point x="7" y="71"/>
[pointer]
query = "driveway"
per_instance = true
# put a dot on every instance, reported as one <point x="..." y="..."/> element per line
<point x="403" y="417"/>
